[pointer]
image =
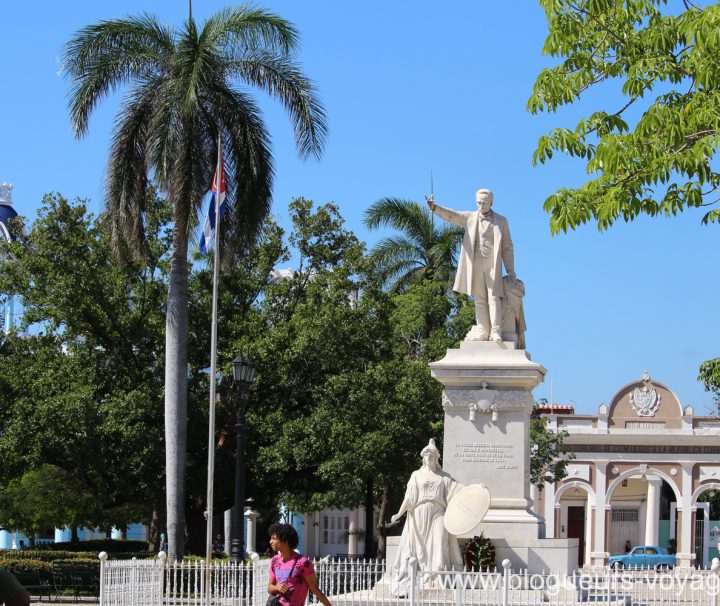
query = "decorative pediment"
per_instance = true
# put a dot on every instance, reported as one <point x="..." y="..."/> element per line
<point x="645" y="400"/>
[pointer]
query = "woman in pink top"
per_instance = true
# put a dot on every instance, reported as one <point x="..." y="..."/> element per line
<point x="291" y="574"/>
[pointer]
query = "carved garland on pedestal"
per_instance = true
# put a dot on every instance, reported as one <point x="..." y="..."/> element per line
<point x="485" y="401"/>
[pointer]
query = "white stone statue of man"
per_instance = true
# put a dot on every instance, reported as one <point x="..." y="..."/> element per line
<point x="487" y="245"/>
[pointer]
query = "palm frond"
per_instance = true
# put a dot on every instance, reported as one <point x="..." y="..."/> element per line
<point x="404" y="278"/>
<point x="404" y="215"/>
<point x="391" y="249"/>
<point x="104" y="56"/>
<point x="397" y="258"/>
<point x="399" y="271"/>
<point x="248" y="27"/>
<point x="442" y="254"/>
<point x="422" y="250"/>
<point x="163" y="133"/>
<point x="189" y="175"/>
<point x="283" y="79"/>
<point x="126" y="183"/>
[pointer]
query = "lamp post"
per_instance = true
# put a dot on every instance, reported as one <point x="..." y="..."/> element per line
<point x="243" y="377"/>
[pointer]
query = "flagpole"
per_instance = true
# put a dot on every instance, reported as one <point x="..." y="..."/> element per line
<point x="213" y="365"/>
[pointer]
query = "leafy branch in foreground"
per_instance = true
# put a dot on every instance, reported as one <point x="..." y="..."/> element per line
<point x="666" y="62"/>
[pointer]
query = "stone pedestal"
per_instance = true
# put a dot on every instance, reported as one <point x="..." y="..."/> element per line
<point x="488" y="401"/>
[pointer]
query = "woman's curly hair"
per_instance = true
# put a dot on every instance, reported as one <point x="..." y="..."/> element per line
<point x="285" y="533"/>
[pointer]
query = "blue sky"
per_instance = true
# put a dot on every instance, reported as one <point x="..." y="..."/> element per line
<point x="410" y="87"/>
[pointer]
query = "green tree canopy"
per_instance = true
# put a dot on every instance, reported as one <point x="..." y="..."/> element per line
<point x="654" y="152"/>
<point x="46" y="497"/>
<point x="82" y="391"/>
<point x="548" y="461"/>
<point x="710" y="376"/>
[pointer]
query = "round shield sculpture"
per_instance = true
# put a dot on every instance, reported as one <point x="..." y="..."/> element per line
<point x="467" y="509"/>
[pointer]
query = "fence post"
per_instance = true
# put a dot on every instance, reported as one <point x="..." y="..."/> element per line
<point x="103" y="558"/>
<point x="715" y="571"/>
<point x="162" y="557"/>
<point x="133" y="580"/>
<point x="609" y="580"/>
<point x="505" y="581"/>
<point x="412" y="569"/>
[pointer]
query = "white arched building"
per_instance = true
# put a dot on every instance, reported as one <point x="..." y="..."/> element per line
<point x="642" y="464"/>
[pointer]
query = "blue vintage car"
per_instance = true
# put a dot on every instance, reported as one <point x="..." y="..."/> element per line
<point x="644" y="556"/>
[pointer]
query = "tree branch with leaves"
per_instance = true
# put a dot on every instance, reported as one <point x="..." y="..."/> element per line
<point x="665" y="62"/>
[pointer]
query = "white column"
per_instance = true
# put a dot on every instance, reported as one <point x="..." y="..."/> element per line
<point x="251" y="517"/>
<point x="227" y="528"/>
<point x="352" y="539"/>
<point x="706" y="535"/>
<point x="550" y="510"/>
<point x="598" y="553"/>
<point x="318" y="532"/>
<point x="673" y="527"/>
<point x="685" y="548"/>
<point x="652" y="512"/>
<point x="588" y="531"/>
<point x="537" y="509"/>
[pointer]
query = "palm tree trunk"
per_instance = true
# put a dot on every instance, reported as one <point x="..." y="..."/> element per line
<point x="176" y="335"/>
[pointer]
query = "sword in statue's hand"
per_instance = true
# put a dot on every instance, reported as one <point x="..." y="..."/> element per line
<point x="431" y="198"/>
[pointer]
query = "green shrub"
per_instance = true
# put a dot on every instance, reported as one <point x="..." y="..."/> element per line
<point x="21" y="565"/>
<point x="33" y="554"/>
<point x="51" y="556"/>
<point x="97" y="545"/>
<point x="83" y="563"/>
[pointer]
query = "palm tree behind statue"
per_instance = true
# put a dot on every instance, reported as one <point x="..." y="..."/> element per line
<point x="183" y="95"/>
<point x="421" y="251"/>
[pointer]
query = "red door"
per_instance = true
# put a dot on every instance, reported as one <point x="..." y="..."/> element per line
<point x="576" y="530"/>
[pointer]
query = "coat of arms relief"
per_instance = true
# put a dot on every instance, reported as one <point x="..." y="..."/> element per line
<point x="645" y="400"/>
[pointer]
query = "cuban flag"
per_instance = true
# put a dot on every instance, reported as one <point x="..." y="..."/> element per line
<point x="209" y="227"/>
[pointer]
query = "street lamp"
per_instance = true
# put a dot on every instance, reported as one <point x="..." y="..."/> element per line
<point x="243" y="377"/>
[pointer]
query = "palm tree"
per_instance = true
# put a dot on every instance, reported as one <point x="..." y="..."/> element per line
<point x="184" y="94"/>
<point x="422" y="250"/>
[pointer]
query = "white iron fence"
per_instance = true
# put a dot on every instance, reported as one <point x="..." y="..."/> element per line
<point x="368" y="583"/>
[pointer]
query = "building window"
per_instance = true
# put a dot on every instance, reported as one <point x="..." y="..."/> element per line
<point x="335" y="530"/>
<point x="625" y="515"/>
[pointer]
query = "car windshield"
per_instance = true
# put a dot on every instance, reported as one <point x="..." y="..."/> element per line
<point x="638" y="551"/>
